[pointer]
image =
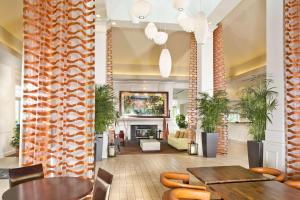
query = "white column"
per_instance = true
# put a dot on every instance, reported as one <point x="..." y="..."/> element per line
<point x="274" y="144"/>
<point x="205" y="77"/>
<point x="100" y="52"/>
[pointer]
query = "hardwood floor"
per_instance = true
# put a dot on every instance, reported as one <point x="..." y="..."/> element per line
<point x="136" y="177"/>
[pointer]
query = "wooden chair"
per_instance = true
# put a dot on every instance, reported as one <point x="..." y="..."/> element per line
<point x="102" y="185"/>
<point x="293" y="183"/>
<point x="279" y="176"/>
<point x="25" y="174"/>
<point x="181" y="190"/>
<point x="184" y="193"/>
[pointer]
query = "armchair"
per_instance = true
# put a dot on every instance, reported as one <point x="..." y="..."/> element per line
<point x="293" y="183"/>
<point x="184" y="193"/>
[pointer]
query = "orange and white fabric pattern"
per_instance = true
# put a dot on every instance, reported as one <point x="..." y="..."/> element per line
<point x="292" y="86"/>
<point x="58" y="105"/>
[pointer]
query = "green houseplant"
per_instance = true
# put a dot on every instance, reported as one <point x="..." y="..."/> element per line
<point x="15" y="142"/>
<point x="151" y="133"/>
<point x="105" y="113"/>
<point x="180" y="121"/>
<point x="211" y="111"/>
<point x="257" y="103"/>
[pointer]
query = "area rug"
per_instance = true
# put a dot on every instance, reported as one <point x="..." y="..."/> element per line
<point x="133" y="147"/>
<point x="4" y="174"/>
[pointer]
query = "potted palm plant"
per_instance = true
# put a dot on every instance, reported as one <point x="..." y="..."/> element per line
<point x="257" y="102"/>
<point x="180" y="121"/>
<point x="15" y="142"/>
<point x="211" y="111"/>
<point x="105" y="114"/>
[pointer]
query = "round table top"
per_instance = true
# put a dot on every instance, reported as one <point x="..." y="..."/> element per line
<point x="57" y="188"/>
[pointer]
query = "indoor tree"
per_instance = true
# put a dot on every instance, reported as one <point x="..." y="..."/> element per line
<point x="105" y="113"/>
<point x="180" y="121"/>
<point x="257" y="103"/>
<point x="212" y="110"/>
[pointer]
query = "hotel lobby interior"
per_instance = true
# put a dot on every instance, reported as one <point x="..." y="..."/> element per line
<point x="150" y="99"/>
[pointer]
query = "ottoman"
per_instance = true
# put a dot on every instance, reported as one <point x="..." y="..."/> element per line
<point x="149" y="145"/>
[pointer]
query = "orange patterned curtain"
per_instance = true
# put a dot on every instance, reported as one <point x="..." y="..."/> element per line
<point x="58" y="105"/>
<point x="292" y="85"/>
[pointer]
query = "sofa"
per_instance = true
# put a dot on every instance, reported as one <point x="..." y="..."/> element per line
<point x="179" y="140"/>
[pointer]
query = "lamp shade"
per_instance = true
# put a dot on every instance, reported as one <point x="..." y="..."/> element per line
<point x="141" y="9"/>
<point x="187" y="23"/>
<point x="201" y="28"/>
<point x="180" y="4"/>
<point x="165" y="63"/>
<point x="151" y="31"/>
<point x="160" y="38"/>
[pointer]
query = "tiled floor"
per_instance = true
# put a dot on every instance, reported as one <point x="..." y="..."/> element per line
<point x="137" y="176"/>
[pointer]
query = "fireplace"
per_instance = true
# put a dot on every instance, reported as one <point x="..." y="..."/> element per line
<point x="140" y="131"/>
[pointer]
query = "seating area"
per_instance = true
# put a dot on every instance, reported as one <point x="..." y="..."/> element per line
<point x="149" y="100"/>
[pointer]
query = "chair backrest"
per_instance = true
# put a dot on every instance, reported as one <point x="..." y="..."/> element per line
<point x="102" y="185"/>
<point x="279" y="176"/>
<point x="25" y="174"/>
<point x="184" y="193"/>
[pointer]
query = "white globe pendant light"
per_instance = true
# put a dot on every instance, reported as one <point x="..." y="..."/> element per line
<point x="186" y="22"/>
<point x="141" y="9"/>
<point x="180" y="5"/>
<point x="201" y="28"/>
<point x="165" y="63"/>
<point x="151" y="31"/>
<point x="160" y="38"/>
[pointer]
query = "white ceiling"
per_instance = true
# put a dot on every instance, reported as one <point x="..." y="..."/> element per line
<point x="245" y="37"/>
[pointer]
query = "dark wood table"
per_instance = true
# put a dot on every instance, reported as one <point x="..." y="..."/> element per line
<point x="258" y="190"/>
<point x="58" y="188"/>
<point x="225" y="174"/>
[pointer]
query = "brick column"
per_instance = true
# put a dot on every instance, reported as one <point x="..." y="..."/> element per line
<point x="220" y="83"/>
<point x="109" y="64"/>
<point x="192" y="92"/>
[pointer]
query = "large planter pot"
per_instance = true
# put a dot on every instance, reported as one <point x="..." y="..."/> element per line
<point x="255" y="153"/>
<point x="209" y="144"/>
<point x="98" y="147"/>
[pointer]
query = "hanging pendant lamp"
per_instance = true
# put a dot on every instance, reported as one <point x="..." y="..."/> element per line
<point x="165" y="63"/>
<point x="141" y="9"/>
<point x="180" y="5"/>
<point x="201" y="28"/>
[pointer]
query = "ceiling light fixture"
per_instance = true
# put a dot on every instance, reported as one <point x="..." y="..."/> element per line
<point x="201" y="28"/>
<point x="160" y="38"/>
<point x="186" y="22"/>
<point x="98" y="16"/>
<point x="141" y="9"/>
<point x="180" y="5"/>
<point x="165" y="63"/>
<point x="113" y="23"/>
<point x="151" y="31"/>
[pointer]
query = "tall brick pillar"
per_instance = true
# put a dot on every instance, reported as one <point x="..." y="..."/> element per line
<point x="109" y="65"/>
<point x="192" y="92"/>
<point x="220" y="83"/>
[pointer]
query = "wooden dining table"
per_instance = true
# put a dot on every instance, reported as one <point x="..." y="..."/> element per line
<point x="58" y="188"/>
<point x="225" y="174"/>
<point x="257" y="190"/>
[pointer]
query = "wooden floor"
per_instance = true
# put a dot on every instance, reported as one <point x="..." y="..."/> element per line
<point x="136" y="177"/>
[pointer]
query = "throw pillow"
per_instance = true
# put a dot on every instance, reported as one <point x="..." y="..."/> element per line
<point x="177" y="134"/>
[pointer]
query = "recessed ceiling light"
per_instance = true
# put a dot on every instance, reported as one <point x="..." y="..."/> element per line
<point x="113" y="23"/>
<point x="98" y="16"/>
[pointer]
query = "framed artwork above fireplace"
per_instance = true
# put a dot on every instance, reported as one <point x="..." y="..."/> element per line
<point x="144" y="104"/>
